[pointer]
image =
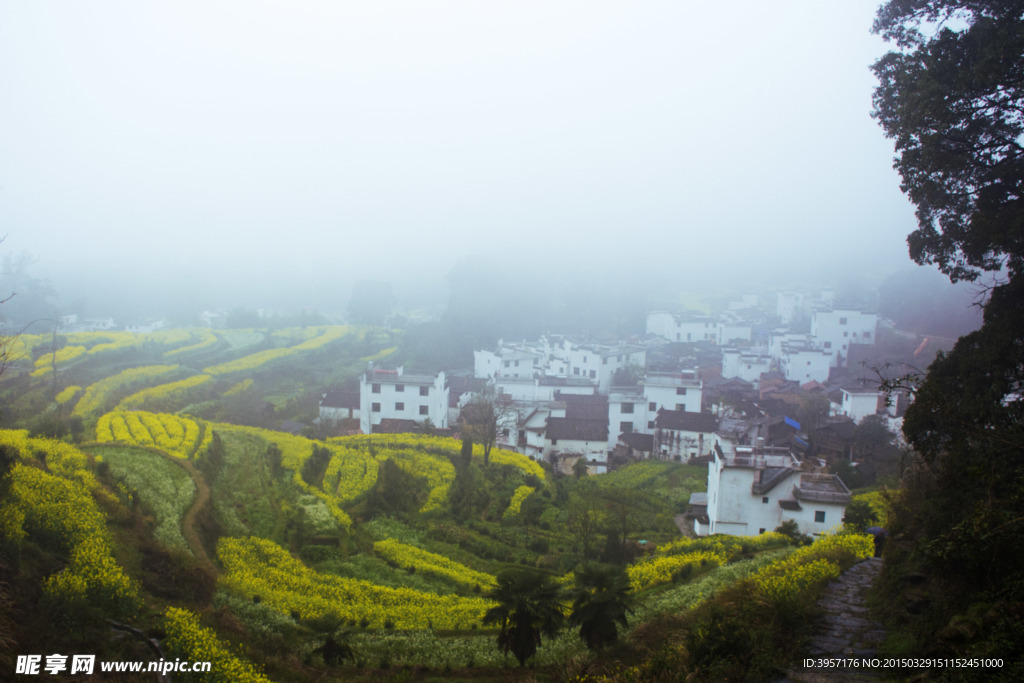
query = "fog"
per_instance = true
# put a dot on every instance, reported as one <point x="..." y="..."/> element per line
<point x="205" y="154"/>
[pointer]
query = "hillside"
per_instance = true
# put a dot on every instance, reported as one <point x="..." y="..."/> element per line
<point x="283" y="557"/>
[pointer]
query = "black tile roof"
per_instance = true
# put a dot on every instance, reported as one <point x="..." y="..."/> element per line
<point x="574" y="429"/>
<point x="683" y="421"/>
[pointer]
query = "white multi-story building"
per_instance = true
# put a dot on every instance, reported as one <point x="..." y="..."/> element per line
<point x="805" y="363"/>
<point x="837" y="329"/>
<point x="672" y="391"/>
<point x="693" y="328"/>
<point x="789" y="306"/>
<point x="746" y="364"/>
<point x="558" y="357"/>
<point x="391" y="394"/>
<point x="753" y="490"/>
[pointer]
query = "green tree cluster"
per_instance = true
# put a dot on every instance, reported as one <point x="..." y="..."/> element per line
<point x="951" y="96"/>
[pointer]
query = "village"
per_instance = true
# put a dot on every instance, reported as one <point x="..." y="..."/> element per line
<point x="769" y="400"/>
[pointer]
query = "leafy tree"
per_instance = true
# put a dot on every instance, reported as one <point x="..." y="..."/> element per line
<point x="396" y="491"/>
<point x="859" y="515"/>
<point x="529" y="605"/>
<point x="951" y="96"/>
<point x="601" y="602"/>
<point x="871" y="434"/>
<point x="315" y="466"/>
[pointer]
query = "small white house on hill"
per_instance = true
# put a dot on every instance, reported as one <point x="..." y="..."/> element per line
<point x="752" y="490"/>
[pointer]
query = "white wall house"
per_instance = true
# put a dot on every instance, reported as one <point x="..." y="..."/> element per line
<point x="859" y="403"/>
<point x="789" y="306"/>
<point x="339" y="405"/>
<point x="747" y="365"/>
<point x="600" y="362"/>
<point x="628" y="412"/>
<point x="673" y="391"/>
<point x="507" y="360"/>
<point x="837" y="329"/>
<point x="754" y="490"/>
<point x="682" y="435"/>
<point x="692" y="328"/>
<point x="733" y="332"/>
<point x="569" y="439"/>
<point x="803" y="363"/>
<point x="391" y="394"/>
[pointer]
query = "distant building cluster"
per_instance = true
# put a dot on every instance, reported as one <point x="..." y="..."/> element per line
<point x="763" y="398"/>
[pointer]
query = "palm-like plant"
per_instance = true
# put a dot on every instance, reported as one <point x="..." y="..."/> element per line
<point x="601" y="600"/>
<point x="529" y="605"/>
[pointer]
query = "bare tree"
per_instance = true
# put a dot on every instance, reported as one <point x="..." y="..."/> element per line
<point x="484" y="417"/>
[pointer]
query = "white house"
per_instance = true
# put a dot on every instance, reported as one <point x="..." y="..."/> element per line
<point x="837" y="329"/>
<point x="391" y="394"/>
<point x="746" y="364"/>
<point x="683" y="435"/>
<point x="691" y="328"/>
<point x="508" y="360"/>
<point x="628" y="412"/>
<point x="339" y="405"/>
<point x="568" y="439"/>
<point x="789" y="306"/>
<point x="859" y="403"/>
<point x="673" y="391"/>
<point x="804" y="363"/>
<point x="753" y="490"/>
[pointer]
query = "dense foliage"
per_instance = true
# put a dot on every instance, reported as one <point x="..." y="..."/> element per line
<point x="951" y="96"/>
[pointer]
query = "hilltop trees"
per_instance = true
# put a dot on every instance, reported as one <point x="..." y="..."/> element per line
<point x="951" y="96"/>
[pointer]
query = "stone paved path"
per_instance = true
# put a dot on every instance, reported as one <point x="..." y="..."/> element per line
<point x="846" y="630"/>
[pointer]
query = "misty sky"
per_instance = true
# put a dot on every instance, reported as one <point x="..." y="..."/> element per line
<point x="290" y="142"/>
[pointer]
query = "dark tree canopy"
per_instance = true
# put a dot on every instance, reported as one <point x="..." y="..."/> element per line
<point x="528" y="606"/>
<point x="952" y="99"/>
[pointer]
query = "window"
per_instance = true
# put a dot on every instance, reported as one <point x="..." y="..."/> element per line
<point x="846" y="334"/>
<point x="593" y="374"/>
<point x="625" y="427"/>
<point x="867" y="335"/>
<point x="842" y="321"/>
<point x="575" y="371"/>
<point x="424" y="410"/>
<point x="604" y="361"/>
<point x="375" y="388"/>
<point x="819" y="516"/>
<point x="764" y="499"/>
<point x="399" y="406"/>
<point x="828" y="345"/>
<point x="375" y="407"/>
<point x="424" y="391"/>
<point x="652" y="406"/>
<point x="760" y="531"/>
<point x="650" y="424"/>
<point x="681" y="391"/>
<point x="400" y="387"/>
<point x="680" y="406"/>
<point x="517" y="364"/>
<point x="619" y="358"/>
<point x="554" y="442"/>
<point x="627" y="408"/>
